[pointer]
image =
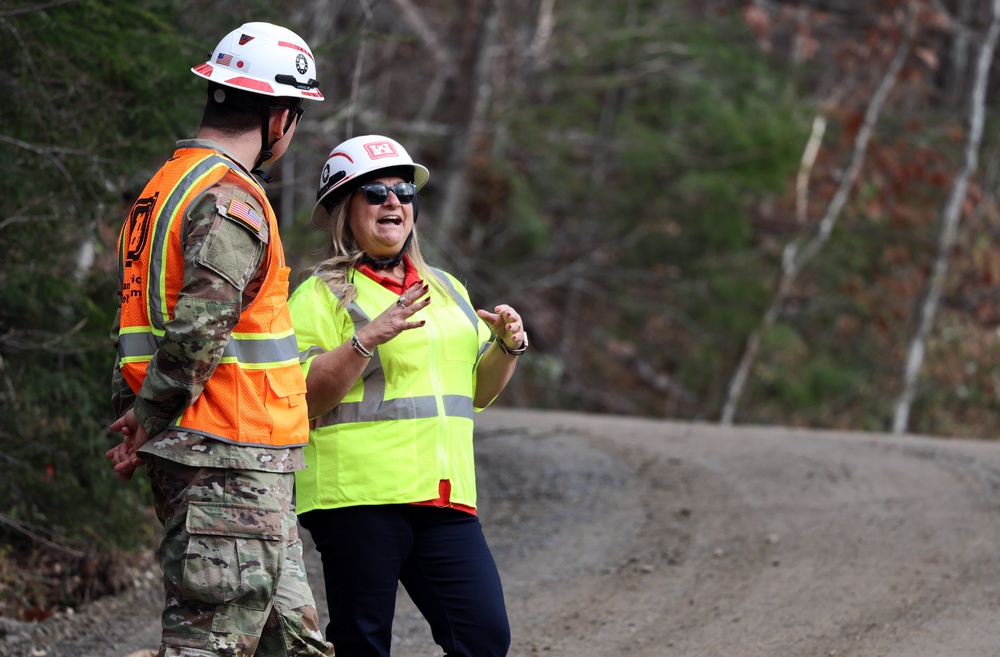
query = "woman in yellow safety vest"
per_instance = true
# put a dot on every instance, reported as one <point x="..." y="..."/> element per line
<point x="396" y="361"/>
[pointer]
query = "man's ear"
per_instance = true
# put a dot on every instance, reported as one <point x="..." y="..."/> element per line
<point x="280" y="122"/>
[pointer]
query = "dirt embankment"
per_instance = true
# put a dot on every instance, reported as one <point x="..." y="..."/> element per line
<point x="653" y="539"/>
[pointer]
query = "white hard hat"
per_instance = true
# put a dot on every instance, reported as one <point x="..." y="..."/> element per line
<point x="263" y="59"/>
<point x="358" y="160"/>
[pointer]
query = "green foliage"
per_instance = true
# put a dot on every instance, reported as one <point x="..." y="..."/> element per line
<point x="523" y="208"/>
<point x="76" y="98"/>
<point x="661" y="133"/>
<point x="78" y="134"/>
<point x="790" y="375"/>
<point x="55" y="411"/>
<point x="701" y="143"/>
<point x="92" y="97"/>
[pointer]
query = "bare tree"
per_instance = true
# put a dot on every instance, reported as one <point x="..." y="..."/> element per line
<point x="794" y="259"/>
<point x="950" y="219"/>
<point x="805" y="168"/>
<point x="445" y="68"/>
<point x="456" y="197"/>
<point x="959" y="56"/>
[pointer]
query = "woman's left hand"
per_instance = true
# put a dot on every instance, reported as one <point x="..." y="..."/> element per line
<point x="506" y="325"/>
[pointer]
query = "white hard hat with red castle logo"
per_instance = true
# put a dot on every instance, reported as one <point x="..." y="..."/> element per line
<point x="357" y="161"/>
<point x="263" y="58"/>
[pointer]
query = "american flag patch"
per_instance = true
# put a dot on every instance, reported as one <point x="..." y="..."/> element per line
<point x="223" y="59"/>
<point x="245" y="213"/>
<point x="245" y="39"/>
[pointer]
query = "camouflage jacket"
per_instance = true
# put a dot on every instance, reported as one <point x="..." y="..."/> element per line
<point x="222" y="274"/>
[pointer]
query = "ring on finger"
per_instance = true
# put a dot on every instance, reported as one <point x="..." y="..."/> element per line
<point x="401" y="301"/>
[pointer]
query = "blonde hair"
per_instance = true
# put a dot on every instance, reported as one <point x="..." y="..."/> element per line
<point x="343" y="255"/>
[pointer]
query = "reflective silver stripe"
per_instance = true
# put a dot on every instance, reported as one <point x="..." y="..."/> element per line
<point x="223" y="439"/>
<point x="373" y="375"/>
<point x="469" y="311"/>
<point x="404" y="408"/>
<point x="262" y="351"/>
<point x="458" y="406"/>
<point x="246" y="352"/>
<point x="466" y="307"/>
<point x="158" y="249"/>
<point x="374" y="407"/>
<point x="310" y="352"/>
<point x="136" y="345"/>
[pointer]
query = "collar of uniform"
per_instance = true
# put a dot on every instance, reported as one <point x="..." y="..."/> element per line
<point x="412" y="276"/>
<point x="210" y="145"/>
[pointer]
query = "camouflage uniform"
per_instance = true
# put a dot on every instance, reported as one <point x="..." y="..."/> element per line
<point x="231" y="556"/>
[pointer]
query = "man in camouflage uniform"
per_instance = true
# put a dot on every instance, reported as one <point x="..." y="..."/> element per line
<point x="231" y="557"/>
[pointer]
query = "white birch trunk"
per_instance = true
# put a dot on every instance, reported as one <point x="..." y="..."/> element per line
<point x="794" y="260"/>
<point x="950" y="220"/>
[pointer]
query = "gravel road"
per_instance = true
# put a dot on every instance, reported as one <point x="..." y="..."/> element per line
<point x="657" y="539"/>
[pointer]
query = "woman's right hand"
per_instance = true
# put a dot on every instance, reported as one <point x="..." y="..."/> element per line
<point x="396" y="318"/>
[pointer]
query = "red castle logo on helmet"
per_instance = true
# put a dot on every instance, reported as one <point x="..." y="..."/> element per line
<point x="379" y="149"/>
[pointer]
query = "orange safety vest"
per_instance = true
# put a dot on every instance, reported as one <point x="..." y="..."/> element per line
<point x="256" y="395"/>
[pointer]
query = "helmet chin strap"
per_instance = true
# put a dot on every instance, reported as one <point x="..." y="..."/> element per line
<point x="388" y="263"/>
<point x="265" y="148"/>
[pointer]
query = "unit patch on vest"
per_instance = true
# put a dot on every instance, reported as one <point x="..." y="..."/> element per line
<point x="240" y="210"/>
<point x="138" y="226"/>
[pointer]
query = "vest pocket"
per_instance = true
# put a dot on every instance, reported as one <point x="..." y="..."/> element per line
<point x="288" y="391"/>
<point x="232" y="555"/>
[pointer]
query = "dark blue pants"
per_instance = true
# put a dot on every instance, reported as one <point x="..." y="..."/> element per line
<point x="440" y="556"/>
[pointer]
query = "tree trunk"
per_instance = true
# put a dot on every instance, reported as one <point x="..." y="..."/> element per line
<point x="456" y="187"/>
<point x="793" y="260"/>
<point x="949" y="227"/>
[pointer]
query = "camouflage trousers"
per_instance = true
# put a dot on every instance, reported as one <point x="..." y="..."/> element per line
<point x="232" y="564"/>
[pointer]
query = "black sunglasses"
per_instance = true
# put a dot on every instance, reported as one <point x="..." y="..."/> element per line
<point x="298" y="110"/>
<point x="377" y="193"/>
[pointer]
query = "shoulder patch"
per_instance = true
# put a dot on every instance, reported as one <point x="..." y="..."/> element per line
<point x="247" y="215"/>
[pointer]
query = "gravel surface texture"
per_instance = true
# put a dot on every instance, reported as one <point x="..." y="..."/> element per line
<point x="650" y="538"/>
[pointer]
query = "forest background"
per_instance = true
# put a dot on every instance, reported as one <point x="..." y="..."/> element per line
<point x="766" y="211"/>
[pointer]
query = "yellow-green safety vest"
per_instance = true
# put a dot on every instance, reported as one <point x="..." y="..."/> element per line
<point x="406" y="424"/>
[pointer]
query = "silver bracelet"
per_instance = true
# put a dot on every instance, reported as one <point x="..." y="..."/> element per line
<point x="513" y="352"/>
<point x="360" y="348"/>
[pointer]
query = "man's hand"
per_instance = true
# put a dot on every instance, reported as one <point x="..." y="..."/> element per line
<point x="123" y="456"/>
